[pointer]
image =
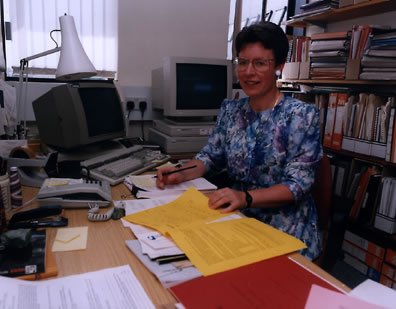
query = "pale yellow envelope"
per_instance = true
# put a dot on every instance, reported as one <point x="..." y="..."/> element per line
<point x="69" y="239"/>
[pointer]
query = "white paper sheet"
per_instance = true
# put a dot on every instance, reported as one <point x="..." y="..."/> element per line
<point x="167" y="274"/>
<point x="153" y="243"/>
<point x="150" y="190"/>
<point x="108" y="288"/>
<point x="375" y="293"/>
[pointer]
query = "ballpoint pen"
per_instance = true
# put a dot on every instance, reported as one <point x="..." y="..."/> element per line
<point x="177" y="171"/>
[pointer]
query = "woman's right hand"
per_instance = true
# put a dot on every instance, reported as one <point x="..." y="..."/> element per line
<point x="172" y="179"/>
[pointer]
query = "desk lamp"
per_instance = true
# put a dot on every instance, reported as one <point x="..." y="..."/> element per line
<point x="73" y="64"/>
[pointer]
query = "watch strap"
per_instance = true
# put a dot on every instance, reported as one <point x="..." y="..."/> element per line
<point x="249" y="200"/>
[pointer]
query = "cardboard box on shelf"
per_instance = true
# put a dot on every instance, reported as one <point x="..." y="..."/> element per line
<point x="385" y="223"/>
<point x="291" y="70"/>
<point x="304" y="70"/>
<point x="352" y="69"/>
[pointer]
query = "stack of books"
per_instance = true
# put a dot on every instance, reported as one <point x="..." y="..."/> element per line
<point x="316" y="7"/>
<point x="329" y="54"/>
<point x="388" y="273"/>
<point x="362" y="254"/>
<point x="379" y="58"/>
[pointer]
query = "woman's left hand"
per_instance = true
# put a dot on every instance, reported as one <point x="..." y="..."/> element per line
<point x="228" y="198"/>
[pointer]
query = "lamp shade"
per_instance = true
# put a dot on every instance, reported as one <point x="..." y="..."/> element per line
<point x="73" y="61"/>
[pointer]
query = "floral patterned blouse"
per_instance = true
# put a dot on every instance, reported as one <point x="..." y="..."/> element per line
<point x="276" y="146"/>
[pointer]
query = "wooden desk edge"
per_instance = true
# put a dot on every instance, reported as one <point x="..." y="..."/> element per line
<point x="318" y="271"/>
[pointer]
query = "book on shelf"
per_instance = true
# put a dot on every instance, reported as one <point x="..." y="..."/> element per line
<point x="319" y="4"/>
<point x="362" y="267"/>
<point x="366" y="29"/>
<point x="328" y="75"/>
<point x="387" y="204"/>
<point x="373" y="103"/>
<point x="328" y="53"/>
<point x="308" y="13"/>
<point x="331" y="114"/>
<point x="321" y="101"/>
<point x="348" y="115"/>
<point x="388" y="34"/>
<point x="377" y="76"/>
<point x="331" y="35"/>
<point x="342" y="99"/>
<point x="341" y="170"/>
<point x="354" y="183"/>
<point x="355" y="38"/>
<point x="370" y="201"/>
<point x="362" y="255"/>
<point x="361" y="105"/>
<point x="391" y="134"/>
<point x="372" y="61"/>
<point x="388" y="275"/>
<point x="385" y="218"/>
<point x="340" y="66"/>
<point x="380" y="52"/>
<point x="30" y="263"/>
<point x="361" y="192"/>
<point x="321" y="45"/>
<point x="390" y="256"/>
<point x="391" y="139"/>
<point x="384" y="42"/>
<point x="359" y="238"/>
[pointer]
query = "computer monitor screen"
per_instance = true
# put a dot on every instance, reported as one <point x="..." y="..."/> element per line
<point x="191" y="87"/>
<point x="74" y="115"/>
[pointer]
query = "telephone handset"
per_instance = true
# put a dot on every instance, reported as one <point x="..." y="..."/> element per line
<point x="74" y="193"/>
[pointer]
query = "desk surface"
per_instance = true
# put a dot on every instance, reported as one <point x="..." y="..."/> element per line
<point x="106" y="248"/>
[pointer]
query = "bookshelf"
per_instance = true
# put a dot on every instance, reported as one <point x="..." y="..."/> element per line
<point x="362" y="157"/>
<point x="349" y="162"/>
<point x="282" y="82"/>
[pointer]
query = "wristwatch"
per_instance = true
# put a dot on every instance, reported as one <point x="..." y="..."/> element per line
<point x="249" y="200"/>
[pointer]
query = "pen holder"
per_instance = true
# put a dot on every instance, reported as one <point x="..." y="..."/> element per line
<point x="6" y="196"/>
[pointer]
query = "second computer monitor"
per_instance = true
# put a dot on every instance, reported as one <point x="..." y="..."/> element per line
<point x="191" y="86"/>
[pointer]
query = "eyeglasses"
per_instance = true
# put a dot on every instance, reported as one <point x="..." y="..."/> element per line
<point x="259" y="65"/>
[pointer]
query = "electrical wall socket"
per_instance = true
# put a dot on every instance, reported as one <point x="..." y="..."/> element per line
<point x="136" y="114"/>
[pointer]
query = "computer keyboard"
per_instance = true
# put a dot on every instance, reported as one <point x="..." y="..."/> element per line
<point x="116" y="165"/>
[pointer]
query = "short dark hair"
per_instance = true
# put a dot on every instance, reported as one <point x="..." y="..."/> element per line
<point x="268" y="34"/>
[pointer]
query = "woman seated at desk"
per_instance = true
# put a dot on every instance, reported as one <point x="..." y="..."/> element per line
<point x="268" y="143"/>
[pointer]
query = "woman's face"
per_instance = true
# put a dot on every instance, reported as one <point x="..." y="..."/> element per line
<point x="257" y="78"/>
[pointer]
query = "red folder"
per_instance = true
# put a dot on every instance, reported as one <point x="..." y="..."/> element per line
<point x="274" y="283"/>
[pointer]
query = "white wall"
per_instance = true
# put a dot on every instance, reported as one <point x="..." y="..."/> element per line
<point x="151" y="29"/>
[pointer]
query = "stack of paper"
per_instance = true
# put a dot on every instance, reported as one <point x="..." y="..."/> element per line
<point x="145" y="186"/>
<point x="151" y="245"/>
<point x="217" y="246"/>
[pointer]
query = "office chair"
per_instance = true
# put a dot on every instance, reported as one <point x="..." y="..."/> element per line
<point x="322" y="192"/>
